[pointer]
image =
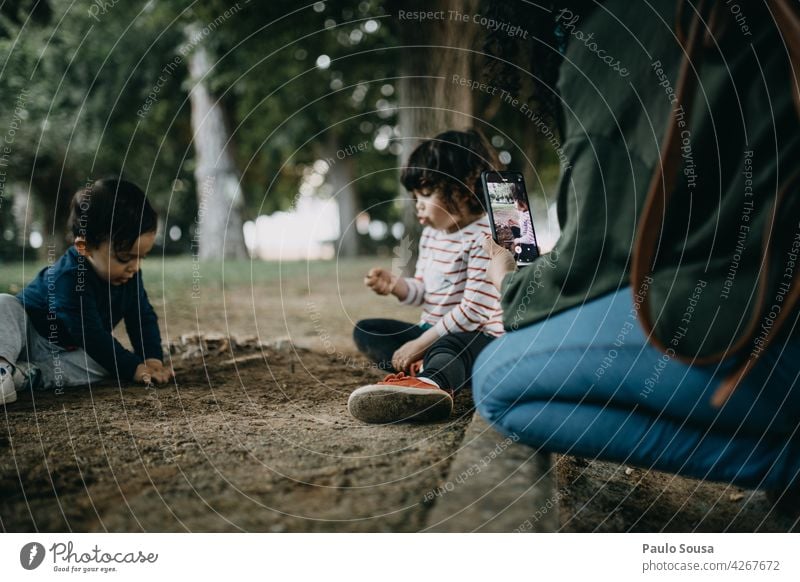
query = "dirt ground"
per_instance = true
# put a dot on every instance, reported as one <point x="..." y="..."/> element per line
<point x="266" y="445"/>
<point x="255" y="436"/>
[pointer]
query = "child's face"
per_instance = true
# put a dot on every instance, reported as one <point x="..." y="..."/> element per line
<point x="117" y="268"/>
<point x="433" y="212"/>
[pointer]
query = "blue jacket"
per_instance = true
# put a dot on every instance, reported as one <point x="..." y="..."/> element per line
<point x="68" y="304"/>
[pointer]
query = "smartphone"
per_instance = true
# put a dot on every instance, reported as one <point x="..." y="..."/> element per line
<point x="510" y="214"/>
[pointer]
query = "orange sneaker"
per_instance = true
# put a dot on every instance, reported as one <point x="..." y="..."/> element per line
<point x="398" y="398"/>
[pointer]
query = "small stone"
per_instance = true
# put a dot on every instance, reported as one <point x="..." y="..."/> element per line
<point x="629" y="471"/>
<point x="736" y="496"/>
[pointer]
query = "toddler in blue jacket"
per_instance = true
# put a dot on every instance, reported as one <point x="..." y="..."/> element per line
<point x="58" y="331"/>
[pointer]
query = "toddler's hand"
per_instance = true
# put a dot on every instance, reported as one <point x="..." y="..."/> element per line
<point x="504" y="235"/>
<point x="163" y="373"/>
<point x="153" y="371"/>
<point x="143" y="375"/>
<point x="380" y="281"/>
<point x="407" y="354"/>
<point x="501" y="262"/>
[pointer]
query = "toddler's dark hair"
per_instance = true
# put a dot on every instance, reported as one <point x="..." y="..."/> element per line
<point x="452" y="163"/>
<point x="111" y="209"/>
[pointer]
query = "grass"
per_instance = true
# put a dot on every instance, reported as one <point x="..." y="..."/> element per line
<point x="167" y="277"/>
<point x="314" y="303"/>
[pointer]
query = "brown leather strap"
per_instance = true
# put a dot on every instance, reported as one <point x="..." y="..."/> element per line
<point x="787" y="18"/>
<point x="729" y="384"/>
<point x="663" y="184"/>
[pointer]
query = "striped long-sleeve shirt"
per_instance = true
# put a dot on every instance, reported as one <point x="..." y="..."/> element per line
<point x="450" y="282"/>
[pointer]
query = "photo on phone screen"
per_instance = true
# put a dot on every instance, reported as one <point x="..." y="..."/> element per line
<point x="510" y="214"/>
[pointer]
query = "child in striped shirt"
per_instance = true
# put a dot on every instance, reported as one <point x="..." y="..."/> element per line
<point x="461" y="310"/>
<point x="526" y="236"/>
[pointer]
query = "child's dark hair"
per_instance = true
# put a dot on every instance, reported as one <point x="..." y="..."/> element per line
<point x="111" y="209"/>
<point x="452" y="163"/>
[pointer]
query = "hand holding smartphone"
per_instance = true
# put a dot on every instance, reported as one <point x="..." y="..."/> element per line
<point x="510" y="214"/>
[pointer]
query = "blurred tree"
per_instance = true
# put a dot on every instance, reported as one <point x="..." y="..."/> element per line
<point x="435" y="51"/>
<point x="309" y="90"/>
<point x="77" y="78"/>
<point x="325" y="99"/>
<point x="216" y="176"/>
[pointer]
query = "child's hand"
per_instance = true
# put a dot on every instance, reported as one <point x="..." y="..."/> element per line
<point x="153" y="371"/>
<point x="501" y="262"/>
<point x="381" y="281"/>
<point x="504" y="235"/>
<point x="409" y="353"/>
<point x="143" y="375"/>
<point x="164" y="372"/>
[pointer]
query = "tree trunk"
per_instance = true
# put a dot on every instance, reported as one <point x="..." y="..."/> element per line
<point x="340" y="177"/>
<point x="219" y="196"/>
<point x="22" y="211"/>
<point x="52" y="186"/>
<point x="429" y="102"/>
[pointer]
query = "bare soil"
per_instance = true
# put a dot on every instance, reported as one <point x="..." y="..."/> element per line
<point x="606" y="497"/>
<point x="264" y="445"/>
<point x="254" y="435"/>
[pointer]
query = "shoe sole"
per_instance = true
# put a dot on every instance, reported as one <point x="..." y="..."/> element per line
<point x="378" y="404"/>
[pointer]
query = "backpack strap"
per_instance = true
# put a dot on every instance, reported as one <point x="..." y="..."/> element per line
<point x="664" y="181"/>
<point x="786" y="14"/>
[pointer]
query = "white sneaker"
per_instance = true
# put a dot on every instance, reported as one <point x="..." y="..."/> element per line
<point x="8" y="391"/>
<point x="27" y="377"/>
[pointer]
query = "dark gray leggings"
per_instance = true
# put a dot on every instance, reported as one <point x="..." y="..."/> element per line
<point x="448" y="362"/>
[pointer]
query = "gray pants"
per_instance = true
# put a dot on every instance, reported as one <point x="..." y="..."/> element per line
<point x="20" y="341"/>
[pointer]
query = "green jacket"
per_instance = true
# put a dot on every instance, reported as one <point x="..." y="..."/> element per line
<point x="743" y="141"/>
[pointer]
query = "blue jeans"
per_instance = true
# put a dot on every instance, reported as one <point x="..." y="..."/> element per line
<point x="586" y="382"/>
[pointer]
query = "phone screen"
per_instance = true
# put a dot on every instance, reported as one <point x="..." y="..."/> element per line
<point x="510" y="214"/>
